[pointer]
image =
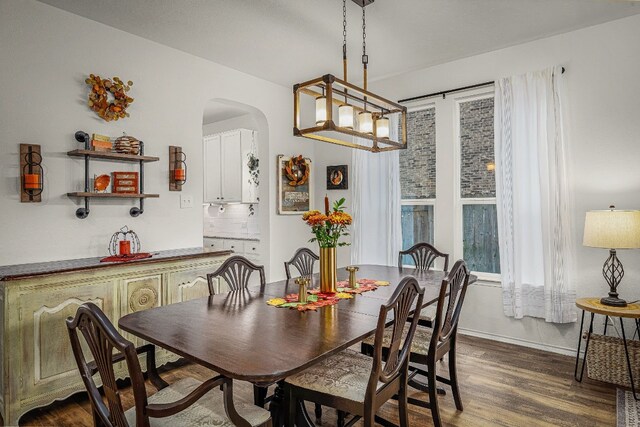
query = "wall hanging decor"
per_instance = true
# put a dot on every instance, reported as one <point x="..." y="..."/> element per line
<point x="125" y="185"/>
<point x="177" y="168"/>
<point x="108" y="97"/>
<point x="31" y="173"/>
<point x="294" y="185"/>
<point x="338" y="177"/>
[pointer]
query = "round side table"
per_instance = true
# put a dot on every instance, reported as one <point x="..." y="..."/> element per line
<point x="594" y="306"/>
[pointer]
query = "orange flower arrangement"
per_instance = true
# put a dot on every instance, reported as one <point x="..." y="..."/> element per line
<point x="330" y="226"/>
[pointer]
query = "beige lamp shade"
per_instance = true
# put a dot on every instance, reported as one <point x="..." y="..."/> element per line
<point x="612" y="229"/>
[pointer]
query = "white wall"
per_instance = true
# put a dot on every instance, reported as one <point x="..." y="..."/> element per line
<point x="45" y="55"/>
<point x="247" y="121"/>
<point x="602" y="64"/>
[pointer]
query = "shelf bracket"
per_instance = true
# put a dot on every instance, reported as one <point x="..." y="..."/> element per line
<point x="84" y="138"/>
<point x="135" y="211"/>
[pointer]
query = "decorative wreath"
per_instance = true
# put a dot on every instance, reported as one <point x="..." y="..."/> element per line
<point x="297" y="171"/>
<point x="99" y="97"/>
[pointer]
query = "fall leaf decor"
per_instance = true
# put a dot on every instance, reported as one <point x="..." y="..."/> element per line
<point x="297" y="171"/>
<point x="108" y="97"/>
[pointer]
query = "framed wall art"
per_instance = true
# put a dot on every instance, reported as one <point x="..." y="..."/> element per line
<point x="338" y="177"/>
<point x="295" y="192"/>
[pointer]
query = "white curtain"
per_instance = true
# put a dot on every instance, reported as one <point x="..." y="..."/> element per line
<point x="376" y="230"/>
<point x="532" y="197"/>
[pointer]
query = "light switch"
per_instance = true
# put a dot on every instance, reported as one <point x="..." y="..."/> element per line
<point x="186" y="201"/>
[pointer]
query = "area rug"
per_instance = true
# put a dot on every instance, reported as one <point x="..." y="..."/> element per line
<point x="627" y="409"/>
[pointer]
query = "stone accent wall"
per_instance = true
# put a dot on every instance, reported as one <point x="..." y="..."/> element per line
<point x="476" y="140"/>
<point x="418" y="161"/>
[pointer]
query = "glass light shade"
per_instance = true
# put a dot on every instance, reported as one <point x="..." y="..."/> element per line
<point x="365" y="122"/>
<point x="321" y="110"/>
<point x="345" y="116"/>
<point x="612" y="229"/>
<point x="382" y="127"/>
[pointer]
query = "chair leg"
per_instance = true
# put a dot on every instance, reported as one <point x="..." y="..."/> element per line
<point x="341" y="418"/>
<point x="318" y="411"/>
<point x="453" y="376"/>
<point x="402" y="403"/>
<point x="433" y="395"/>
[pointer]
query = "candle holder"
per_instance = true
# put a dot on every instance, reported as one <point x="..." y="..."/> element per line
<point x="303" y="287"/>
<point x="353" y="284"/>
<point x="177" y="168"/>
<point x="31" y="173"/>
<point x="124" y="243"/>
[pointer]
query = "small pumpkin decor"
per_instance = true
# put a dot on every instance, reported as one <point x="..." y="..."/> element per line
<point x="297" y="171"/>
<point x="108" y="97"/>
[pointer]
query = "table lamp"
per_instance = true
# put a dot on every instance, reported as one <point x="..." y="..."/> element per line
<point x="612" y="229"/>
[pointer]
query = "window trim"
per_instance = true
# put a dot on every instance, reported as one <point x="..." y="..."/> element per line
<point x="459" y="201"/>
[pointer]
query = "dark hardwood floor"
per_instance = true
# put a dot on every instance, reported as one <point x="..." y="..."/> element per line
<point x="502" y="385"/>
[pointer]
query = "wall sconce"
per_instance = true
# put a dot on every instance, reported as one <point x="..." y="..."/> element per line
<point x="177" y="168"/>
<point x="491" y="166"/>
<point x="30" y="173"/>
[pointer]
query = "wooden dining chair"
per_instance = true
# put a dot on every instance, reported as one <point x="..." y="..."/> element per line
<point x="303" y="261"/>
<point x="432" y="344"/>
<point x="187" y="402"/>
<point x="236" y="271"/>
<point x="424" y="255"/>
<point x="356" y="384"/>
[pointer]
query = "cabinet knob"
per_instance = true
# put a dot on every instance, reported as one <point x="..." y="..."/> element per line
<point x="217" y="198"/>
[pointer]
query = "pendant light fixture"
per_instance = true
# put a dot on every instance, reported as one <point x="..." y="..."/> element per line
<point x="363" y="117"/>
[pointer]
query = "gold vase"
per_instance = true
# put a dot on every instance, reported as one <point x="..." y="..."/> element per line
<point x="328" y="270"/>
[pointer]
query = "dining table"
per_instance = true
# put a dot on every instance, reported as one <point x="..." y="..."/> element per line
<point x="239" y="335"/>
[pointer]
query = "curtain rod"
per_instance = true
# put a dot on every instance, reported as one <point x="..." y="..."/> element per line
<point x="445" y="92"/>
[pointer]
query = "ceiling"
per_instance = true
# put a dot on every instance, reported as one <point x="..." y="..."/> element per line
<point x="217" y="111"/>
<point x="289" y="41"/>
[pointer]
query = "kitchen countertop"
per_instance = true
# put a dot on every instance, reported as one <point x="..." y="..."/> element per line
<point x="232" y="236"/>
<point x="21" y="271"/>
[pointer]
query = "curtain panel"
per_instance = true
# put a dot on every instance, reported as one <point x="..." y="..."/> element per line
<point x="532" y="197"/>
<point x="376" y="229"/>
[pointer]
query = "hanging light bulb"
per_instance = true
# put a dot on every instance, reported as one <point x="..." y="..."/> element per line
<point x="382" y="128"/>
<point x="345" y="116"/>
<point x="321" y="110"/>
<point x="365" y="122"/>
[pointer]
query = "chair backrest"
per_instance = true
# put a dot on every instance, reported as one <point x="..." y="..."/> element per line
<point x="102" y="338"/>
<point x="424" y="255"/>
<point x="450" y="300"/>
<point x="399" y="305"/>
<point x="236" y="271"/>
<point x="303" y="261"/>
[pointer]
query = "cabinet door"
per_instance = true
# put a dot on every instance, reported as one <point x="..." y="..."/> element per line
<point x="187" y="285"/>
<point x="139" y="293"/>
<point x="46" y="355"/>
<point x="212" y="171"/>
<point x="231" y="167"/>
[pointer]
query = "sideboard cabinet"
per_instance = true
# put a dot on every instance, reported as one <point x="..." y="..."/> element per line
<point x="36" y="361"/>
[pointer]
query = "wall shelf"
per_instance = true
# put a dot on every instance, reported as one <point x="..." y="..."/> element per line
<point x="89" y="154"/>
<point x="112" y="195"/>
<point x="112" y="156"/>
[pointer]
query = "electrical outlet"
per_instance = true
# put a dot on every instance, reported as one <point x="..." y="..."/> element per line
<point x="186" y="201"/>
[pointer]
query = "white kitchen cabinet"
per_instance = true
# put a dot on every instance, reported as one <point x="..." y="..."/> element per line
<point x="226" y="170"/>
<point x="212" y="173"/>
<point x="211" y="243"/>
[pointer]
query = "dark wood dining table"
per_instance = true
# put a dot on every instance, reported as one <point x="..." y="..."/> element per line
<point x="239" y="335"/>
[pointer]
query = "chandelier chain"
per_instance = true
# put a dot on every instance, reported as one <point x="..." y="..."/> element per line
<point x="344" y="29"/>
<point x="365" y="59"/>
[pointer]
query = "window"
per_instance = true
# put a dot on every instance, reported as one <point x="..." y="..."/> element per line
<point x="477" y="190"/>
<point x="418" y="179"/>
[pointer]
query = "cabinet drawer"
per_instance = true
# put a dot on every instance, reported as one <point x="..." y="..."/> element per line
<point x="210" y="243"/>
<point x="236" y="246"/>
<point x="252" y="249"/>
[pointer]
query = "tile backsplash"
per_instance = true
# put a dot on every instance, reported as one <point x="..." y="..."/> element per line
<point x="236" y="219"/>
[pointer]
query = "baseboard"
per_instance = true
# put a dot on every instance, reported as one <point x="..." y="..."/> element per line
<point x="517" y="341"/>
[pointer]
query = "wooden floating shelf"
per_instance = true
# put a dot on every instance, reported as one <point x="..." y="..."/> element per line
<point x="113" y="195"/>
<point x="112" y="156"/>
